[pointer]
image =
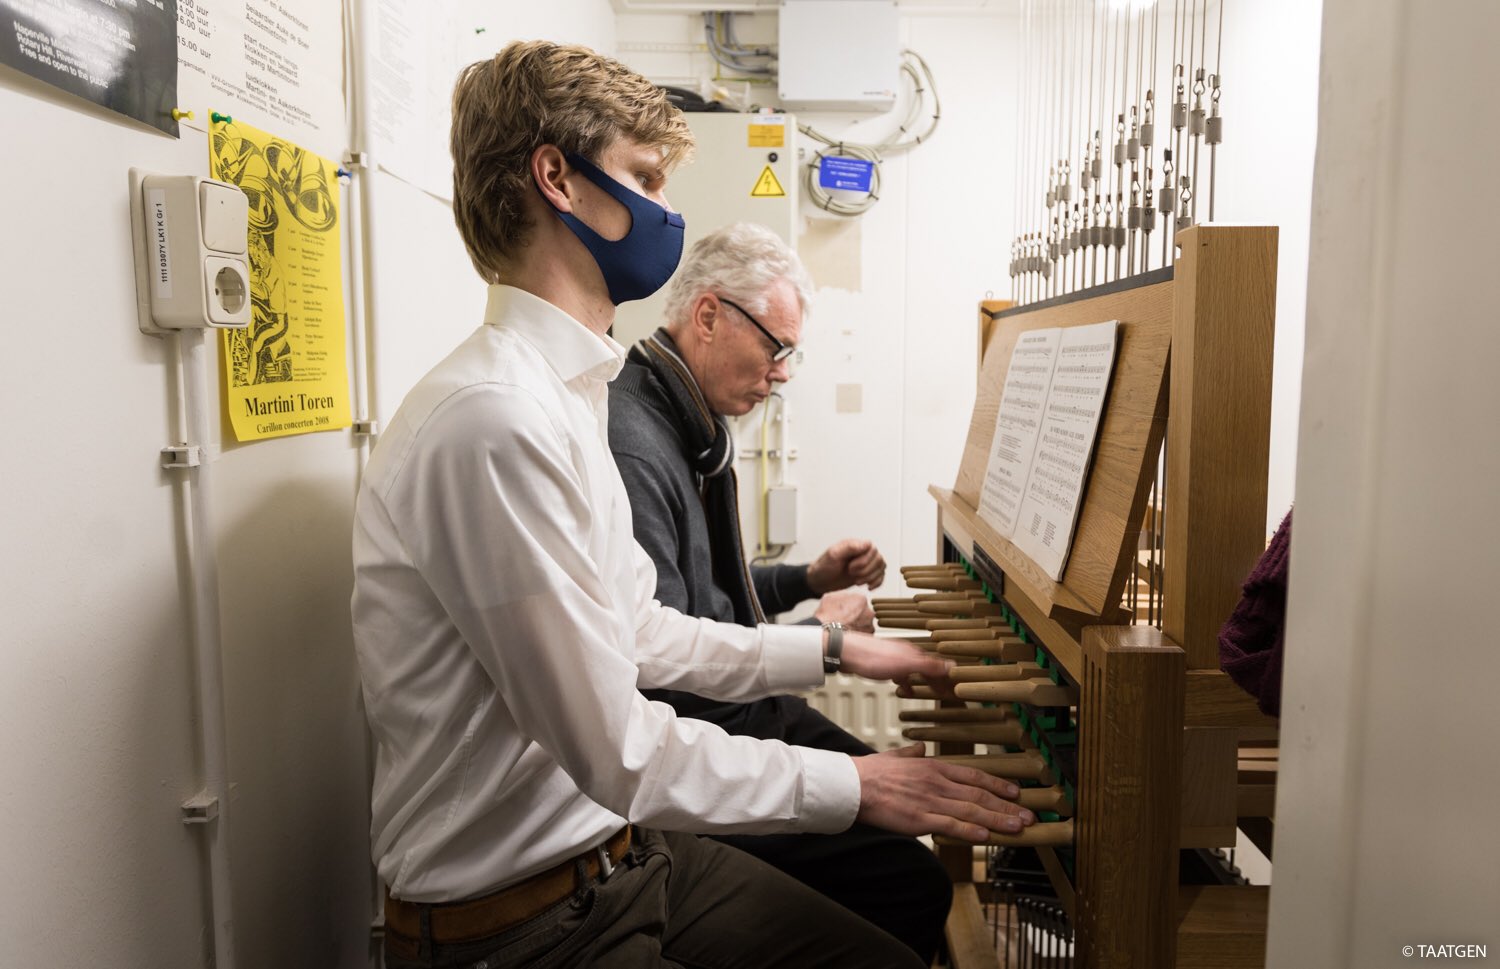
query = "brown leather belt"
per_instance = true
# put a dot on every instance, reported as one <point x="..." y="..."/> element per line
<point x="490" y="914"/>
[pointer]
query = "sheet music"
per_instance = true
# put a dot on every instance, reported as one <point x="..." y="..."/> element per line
<point x="1016" y="427"/>
<point x="1065" y="444"/>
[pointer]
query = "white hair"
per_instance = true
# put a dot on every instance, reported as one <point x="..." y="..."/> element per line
<point x="740" y="262"/>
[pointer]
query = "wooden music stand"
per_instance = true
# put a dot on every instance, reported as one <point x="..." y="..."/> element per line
<point x="1159" y="725"/>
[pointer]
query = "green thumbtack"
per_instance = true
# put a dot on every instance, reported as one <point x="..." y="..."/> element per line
<point x="216" y="118"/>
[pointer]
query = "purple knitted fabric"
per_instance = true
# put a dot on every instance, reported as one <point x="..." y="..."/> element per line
<point x="1250" y="642"/>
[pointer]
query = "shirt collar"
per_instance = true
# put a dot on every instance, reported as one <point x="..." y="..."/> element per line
<point x="572" y="349"/>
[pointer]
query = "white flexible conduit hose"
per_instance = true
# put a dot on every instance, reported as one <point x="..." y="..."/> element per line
<point x="195" y="401"/>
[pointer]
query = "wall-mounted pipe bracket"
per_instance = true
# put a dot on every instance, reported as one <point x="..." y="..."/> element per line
<point x="200" y="809"/>
<point x="181" y="456"/>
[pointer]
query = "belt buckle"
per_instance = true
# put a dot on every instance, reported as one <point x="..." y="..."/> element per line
<point x="606" y="867"/>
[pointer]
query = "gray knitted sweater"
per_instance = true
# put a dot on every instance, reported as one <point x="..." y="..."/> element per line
<point x="668" y="513"/>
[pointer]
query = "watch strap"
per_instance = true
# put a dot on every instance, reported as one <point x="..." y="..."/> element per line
<point x="833" y="654"/>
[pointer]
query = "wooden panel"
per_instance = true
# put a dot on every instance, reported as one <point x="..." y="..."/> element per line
<point x="971" y="943"/>
<point x="1209" y="786"/>
<point x="1218" y="439"/>
<point x="1222" y="926"/>
<point x="1255" y="801"/>
<point x="988" y="308"/>
<point x="1214" y="700"/>
<point x="1130" y="748"/>
<point x="1130" y="435"/>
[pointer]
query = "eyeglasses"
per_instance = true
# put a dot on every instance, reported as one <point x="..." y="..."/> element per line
<point x="781" y="351"/>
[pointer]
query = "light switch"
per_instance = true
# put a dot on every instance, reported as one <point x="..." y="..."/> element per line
<point x="848" y="398"/>
<point x="226" y="213"/>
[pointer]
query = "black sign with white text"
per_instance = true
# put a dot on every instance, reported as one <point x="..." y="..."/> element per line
<point x="121" y="54"/>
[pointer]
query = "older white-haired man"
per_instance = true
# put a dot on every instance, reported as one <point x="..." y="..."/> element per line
<point x="734" y="316"/>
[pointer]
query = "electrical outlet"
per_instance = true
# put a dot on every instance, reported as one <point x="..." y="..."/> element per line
<point x="191" y="265"/>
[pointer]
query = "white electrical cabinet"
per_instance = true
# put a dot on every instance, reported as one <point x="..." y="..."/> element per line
<point x="838" y="55"/>
<point x="745" y="169"/>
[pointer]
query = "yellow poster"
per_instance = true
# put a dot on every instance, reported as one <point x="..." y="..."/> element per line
<point x="286" y="373"/>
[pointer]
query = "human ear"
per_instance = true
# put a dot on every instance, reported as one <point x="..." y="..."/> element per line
<point x="706" y="316"/>
<point x="549" y="170"/>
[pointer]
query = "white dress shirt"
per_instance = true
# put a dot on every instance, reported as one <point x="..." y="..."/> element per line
<point x="504" y="619"/>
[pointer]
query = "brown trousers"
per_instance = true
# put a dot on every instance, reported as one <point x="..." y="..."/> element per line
<point x="678" y="900"/>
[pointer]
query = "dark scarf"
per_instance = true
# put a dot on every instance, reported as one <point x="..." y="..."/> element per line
<point x="1251" y="642"/>
<point x="709" y="449"/>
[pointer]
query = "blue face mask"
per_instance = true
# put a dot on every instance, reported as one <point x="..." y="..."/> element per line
<point x="639" y="264"/>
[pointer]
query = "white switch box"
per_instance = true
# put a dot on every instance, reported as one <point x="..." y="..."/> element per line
<point x="781" y="515"/>
<point x="191" y="265"/>
<point x="838" y="55"/>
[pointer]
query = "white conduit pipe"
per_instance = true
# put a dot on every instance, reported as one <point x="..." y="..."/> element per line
<point x="360" y="335"/>
<point x="364" y="308"/>
<point x="359" y="205"/>
<point x="784" y="438"/>
<point x="194" y="401"/>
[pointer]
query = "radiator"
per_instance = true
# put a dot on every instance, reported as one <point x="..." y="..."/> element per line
<point x="865" y="708"/>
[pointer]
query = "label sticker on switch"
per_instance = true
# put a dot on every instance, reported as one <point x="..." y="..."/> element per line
<point x="161" y="246"/>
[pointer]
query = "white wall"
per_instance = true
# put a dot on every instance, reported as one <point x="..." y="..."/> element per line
<point x="428" y="296"/>
<point x="1270" y="111"/>
<point x="97" y="703"/>
<point x="1390" y="658"/>
<point x="96" y="706"/>
<point x="899" y="286"/>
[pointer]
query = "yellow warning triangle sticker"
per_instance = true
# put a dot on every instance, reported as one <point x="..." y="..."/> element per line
<point x="767" y="187"/>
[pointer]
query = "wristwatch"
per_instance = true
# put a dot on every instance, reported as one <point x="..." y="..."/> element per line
<point x="834" y="648"/>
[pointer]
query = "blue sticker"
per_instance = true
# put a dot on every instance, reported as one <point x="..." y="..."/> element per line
<point x="853" y="174"/>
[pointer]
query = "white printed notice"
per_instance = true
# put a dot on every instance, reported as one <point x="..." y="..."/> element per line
<point x="1044" y="438"/>
<point x="276" y="64"/>
<point x="414" y="55"/>
<point x="1016" y="428"/>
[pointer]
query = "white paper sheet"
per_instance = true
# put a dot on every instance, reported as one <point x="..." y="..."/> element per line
<point x="1065" y="445"/>
<point x="277" y="64"/>
<point x="1016" y="428"/>
<point x="414" y="59"/>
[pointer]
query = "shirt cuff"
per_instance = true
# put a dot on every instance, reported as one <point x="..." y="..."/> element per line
<point x="791" y="658"/>
<point x="830" y="791"/>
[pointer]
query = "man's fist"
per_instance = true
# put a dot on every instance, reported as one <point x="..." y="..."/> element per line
<point x="849" y="561"/>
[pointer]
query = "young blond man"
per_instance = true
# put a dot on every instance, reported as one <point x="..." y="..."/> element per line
<point x="530" y="806"/>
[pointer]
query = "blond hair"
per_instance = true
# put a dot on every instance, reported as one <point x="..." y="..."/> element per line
<point x="536" y="93"/>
